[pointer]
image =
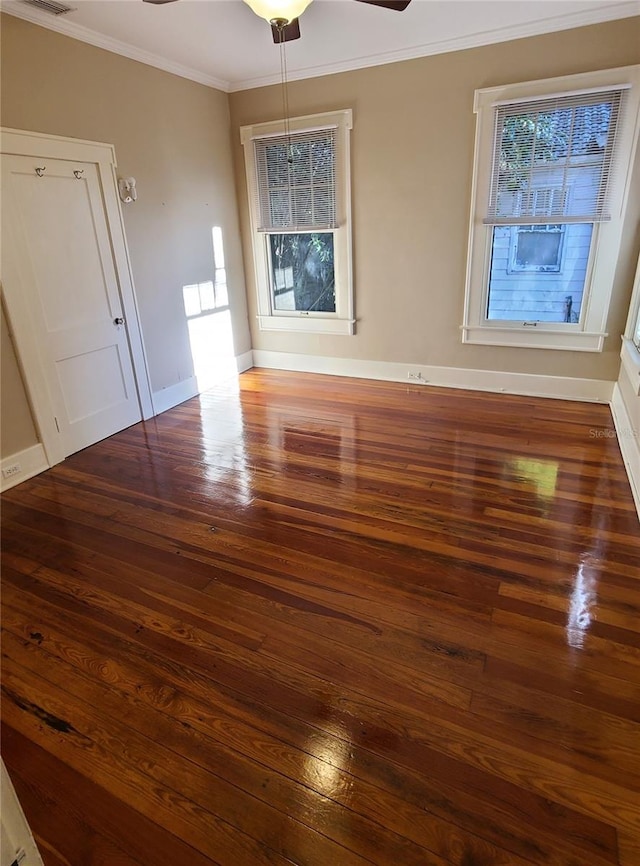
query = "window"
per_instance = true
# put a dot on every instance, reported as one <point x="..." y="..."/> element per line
<point x="299" y="198"/>
<point x="632" y="331"/>
<point x="536" y="248"/>
<point x="553" y="160"/>
<point x="302" y="272"/>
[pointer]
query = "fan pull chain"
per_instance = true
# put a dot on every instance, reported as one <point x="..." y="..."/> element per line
<point x="285" y="94"/>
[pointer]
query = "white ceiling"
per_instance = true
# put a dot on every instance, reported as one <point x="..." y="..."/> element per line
<point x="223" y="44"/>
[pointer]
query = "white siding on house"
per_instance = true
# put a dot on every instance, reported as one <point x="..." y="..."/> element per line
<point x="517" y="292"/>
<point x="521" y="294"/>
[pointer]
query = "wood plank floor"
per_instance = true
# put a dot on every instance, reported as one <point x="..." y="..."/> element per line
<point x="328" y="622"/>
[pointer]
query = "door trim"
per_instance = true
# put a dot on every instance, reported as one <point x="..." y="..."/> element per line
<point x="16" y="142"/>
<point x="14" y="822"/>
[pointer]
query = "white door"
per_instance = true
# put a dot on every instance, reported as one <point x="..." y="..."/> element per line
<point x="57" y="254"/>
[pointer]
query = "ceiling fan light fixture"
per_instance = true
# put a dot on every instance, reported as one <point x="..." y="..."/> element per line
<point x="281" y="11"/>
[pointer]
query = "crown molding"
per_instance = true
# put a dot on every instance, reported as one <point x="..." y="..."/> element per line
<point x="99" y="40"/>
<point x="476" y="40"/>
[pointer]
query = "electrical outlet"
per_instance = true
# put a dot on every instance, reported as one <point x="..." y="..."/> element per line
<point x="10" y="471"/>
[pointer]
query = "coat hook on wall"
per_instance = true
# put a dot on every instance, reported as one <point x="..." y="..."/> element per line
<point x="127" y="189"/>
<point x="78" y="173"/>
<point x="41" y="170"/>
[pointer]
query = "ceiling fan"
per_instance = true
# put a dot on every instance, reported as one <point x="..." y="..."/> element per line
<point x="283" y="15"/>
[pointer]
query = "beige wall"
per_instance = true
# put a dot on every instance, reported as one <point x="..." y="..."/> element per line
<point x="17" y="429"/>
<point x="412" y="152"/>
<point x="412" y="155"/>
<point x="172" y="135"/>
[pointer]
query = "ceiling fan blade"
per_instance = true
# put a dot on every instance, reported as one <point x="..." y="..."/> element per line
<point x="287" y="33"/>
<point x="158" y="2"/>
<point x="396" y="5"/>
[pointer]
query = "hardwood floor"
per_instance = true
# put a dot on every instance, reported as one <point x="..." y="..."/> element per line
<point x="329" y="622"/>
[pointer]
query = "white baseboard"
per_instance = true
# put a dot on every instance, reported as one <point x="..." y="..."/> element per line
<point x="32" y="461"/>
<point x="172" y="396"/>
<point x="244" y="361"/>
<point x="628" y="442"/>
<point x="526" y="384"/>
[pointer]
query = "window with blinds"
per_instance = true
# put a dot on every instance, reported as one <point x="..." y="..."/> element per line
<point x="553" y="158"/>
<point x="552" y="182"/>
<point x="296" y="181"/>
<point x="299" y="186"/>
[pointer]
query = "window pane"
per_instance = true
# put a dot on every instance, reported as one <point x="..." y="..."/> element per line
<point x="552" y="161"/>
<point x="301" y="207"/>
<point x="301" y="163"/>
<point x="280" y="210"/>
<point x="536" y="248"/>
<point x="277" y="164"/>
<point x="538" y="272"/>
<point x="296" y="180"/>
<point x="636" y="334"/>
<point x="302" y="273"/>
<point x="539" y="250"/>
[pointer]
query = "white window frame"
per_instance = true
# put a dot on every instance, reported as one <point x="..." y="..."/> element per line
<point x="632" y="331"/>
<point x="270" y="319"/>
<point x="588" y="334"/>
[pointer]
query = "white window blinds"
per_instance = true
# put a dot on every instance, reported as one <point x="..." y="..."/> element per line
<point x="296" y="183"/>
<point x="552" y="158"/>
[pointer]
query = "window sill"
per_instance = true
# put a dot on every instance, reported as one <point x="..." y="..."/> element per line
<point x="535" y="338"/>
<point x="307" y="324"/>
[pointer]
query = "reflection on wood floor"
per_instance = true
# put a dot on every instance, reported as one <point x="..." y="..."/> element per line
<point x="326" y="622"/>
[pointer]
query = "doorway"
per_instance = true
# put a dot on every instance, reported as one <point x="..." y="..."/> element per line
<point x="68" y="291"/>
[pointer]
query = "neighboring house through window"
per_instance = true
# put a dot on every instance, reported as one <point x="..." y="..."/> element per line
<point x="553" y="161"/>
<point x="299" y="196"/>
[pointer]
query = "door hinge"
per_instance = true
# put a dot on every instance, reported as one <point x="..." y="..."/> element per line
<point x="20" y="855"/>
<point x="57" y="425"/>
